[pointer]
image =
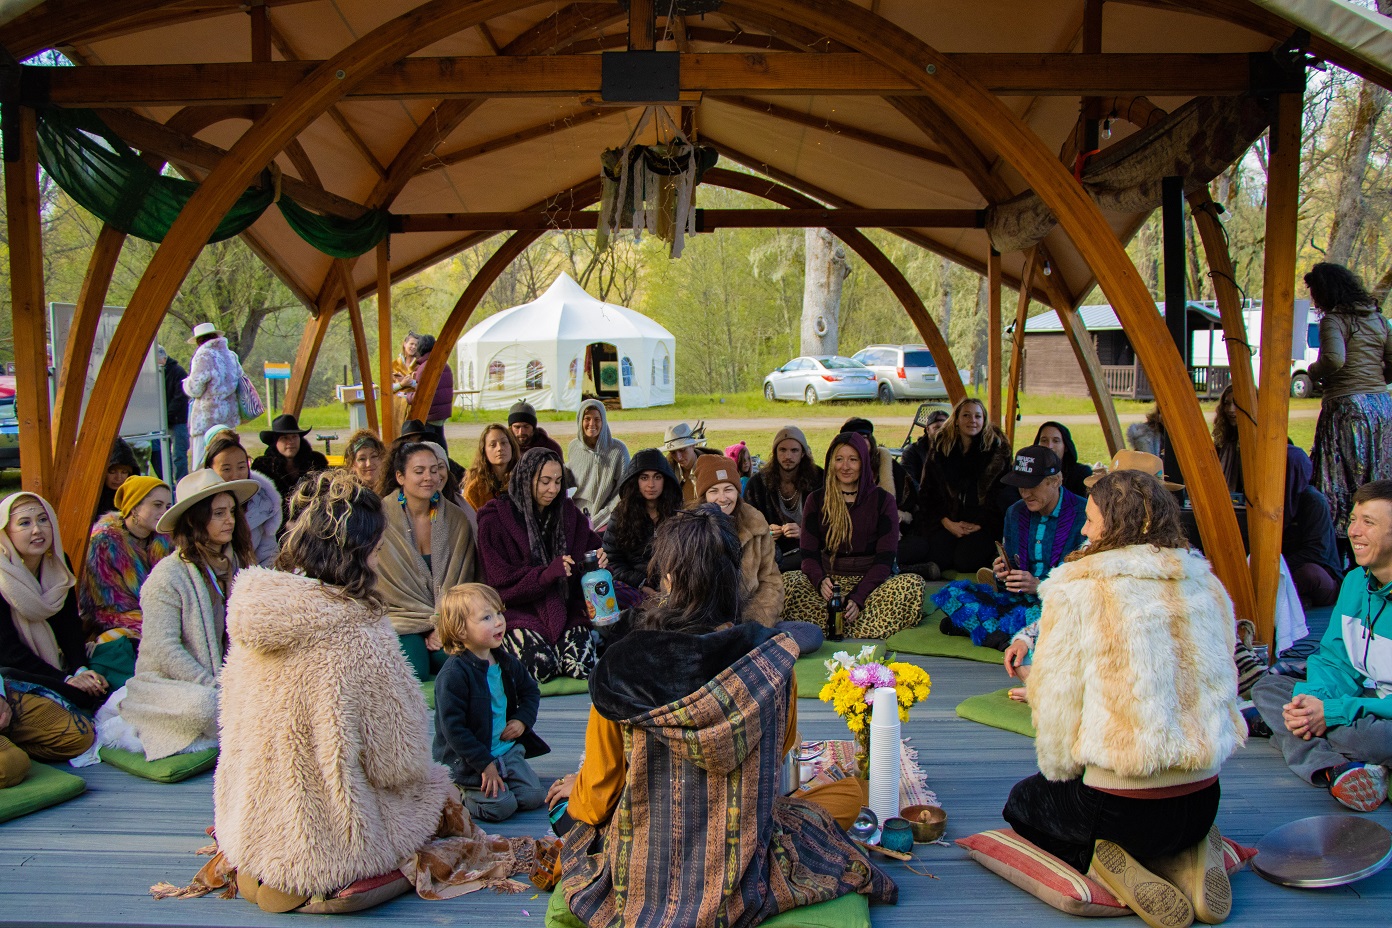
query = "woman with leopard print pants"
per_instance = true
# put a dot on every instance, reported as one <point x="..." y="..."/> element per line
<point x="850" y="533"/>
<point x="531" y="542"/>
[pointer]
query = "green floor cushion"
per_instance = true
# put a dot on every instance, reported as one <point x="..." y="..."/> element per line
<point x="852" y="911"/>
<point x="556" y="686"/>
<point x="564" y="686"/>
<point x="44" y="786"/>
<point x="999" y="711"/>
<point x="928" y="639"/>
<point x="171" y="769"/>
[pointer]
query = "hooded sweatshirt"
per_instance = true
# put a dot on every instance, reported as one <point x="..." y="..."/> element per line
<point x="1356" y="647"/>
<point x="874" y="540"/>
<point x="325" y="774"/>
<point x="628" y="558"/>
<point x="774" y="510"/>
<point x="1355" y="353"/>
<point x="596" y="472"/>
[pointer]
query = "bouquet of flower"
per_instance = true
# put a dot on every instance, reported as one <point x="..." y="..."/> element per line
<point x="852" y="682"/>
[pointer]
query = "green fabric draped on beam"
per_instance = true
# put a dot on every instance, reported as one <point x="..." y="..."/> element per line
<point x="106" y="177"/>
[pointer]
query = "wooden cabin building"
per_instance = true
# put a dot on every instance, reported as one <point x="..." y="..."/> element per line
<point x="1050" y="367"/>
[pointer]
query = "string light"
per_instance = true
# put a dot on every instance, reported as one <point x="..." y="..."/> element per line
<point x="1107" y="128"/>
<point x="1048" y="269"/>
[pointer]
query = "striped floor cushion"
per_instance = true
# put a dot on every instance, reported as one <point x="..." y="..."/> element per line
<point x="1050" y="880"/>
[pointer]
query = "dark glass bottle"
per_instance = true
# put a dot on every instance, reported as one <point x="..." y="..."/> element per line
<point x="836" y="615"/>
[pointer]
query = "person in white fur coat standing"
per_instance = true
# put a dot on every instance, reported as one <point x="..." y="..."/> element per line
<point x="211" y="386"/>
<point x="1134" y="695"/>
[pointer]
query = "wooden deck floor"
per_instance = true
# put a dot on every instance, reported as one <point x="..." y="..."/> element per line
<point x="91" y="861"/>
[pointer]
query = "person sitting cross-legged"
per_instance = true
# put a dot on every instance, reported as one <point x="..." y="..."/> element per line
<point x="1334" y="729"/>
<point x="1041" y="529"/>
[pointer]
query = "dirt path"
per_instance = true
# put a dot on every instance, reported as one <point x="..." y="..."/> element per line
<point x="561" y="431"/>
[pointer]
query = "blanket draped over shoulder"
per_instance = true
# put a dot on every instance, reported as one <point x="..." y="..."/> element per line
<point x="700" y="793"/>
<point x="411" y="589"/>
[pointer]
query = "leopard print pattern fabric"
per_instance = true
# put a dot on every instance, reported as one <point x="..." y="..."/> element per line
<point x="895" y="605"/>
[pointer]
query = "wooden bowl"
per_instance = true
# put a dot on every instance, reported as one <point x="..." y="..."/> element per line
<point x="928" y="822"/>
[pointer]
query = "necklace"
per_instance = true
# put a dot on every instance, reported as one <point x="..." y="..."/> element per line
<point x="790" y="498"/>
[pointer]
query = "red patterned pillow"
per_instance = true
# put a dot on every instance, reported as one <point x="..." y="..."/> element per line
<point x="1049" y="879"/>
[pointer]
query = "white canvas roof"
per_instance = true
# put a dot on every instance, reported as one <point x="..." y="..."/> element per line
<point x="536" y="352"/>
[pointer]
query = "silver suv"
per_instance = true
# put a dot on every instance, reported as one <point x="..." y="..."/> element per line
<point x="903" y="372"/>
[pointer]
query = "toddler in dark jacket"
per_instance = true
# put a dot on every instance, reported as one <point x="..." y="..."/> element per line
<point x="485" y="707"/>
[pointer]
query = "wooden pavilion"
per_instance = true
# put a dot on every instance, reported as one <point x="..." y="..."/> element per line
<point x="997" y="134"/>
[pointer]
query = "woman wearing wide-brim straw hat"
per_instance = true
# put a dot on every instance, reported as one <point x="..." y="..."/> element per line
<point x="1142" y="461"/>
<point x="171" y="702"/>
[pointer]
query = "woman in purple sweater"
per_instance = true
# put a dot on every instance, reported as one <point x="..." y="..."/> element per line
<point x="531" y="541"/>
<point x="849" y="536"/>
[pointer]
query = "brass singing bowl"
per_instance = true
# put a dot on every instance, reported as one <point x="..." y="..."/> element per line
<point x="928" y="822"/>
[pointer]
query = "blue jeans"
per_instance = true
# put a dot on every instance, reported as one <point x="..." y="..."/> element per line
<point x="179" y="434"/>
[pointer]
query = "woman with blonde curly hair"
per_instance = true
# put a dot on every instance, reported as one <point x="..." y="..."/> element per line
<point x="1134" y="696"/>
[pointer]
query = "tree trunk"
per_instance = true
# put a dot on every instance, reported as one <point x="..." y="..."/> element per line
<point x="827" y="269"/>
<point x="1350" y="210"/>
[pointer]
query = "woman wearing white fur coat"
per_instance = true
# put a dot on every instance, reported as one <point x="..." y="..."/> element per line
<point x="325" y="775"/>
<point x="1134" y="695"/>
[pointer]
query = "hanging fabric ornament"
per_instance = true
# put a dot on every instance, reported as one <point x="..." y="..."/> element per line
<point x="652" y="188"/>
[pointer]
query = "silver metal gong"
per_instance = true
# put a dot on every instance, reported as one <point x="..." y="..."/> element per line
<point x="1323" y="851"/>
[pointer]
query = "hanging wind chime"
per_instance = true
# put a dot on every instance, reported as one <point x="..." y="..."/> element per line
<point x="652" y="188"/>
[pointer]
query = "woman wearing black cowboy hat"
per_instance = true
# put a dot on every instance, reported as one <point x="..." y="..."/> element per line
<point x="288" y="458"/>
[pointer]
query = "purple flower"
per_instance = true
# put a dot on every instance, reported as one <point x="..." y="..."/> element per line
<point x="871" y="676"/>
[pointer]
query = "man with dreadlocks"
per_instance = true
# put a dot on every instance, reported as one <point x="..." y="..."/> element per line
<point x="849" y="537"/>
<point x="531" y="542"/>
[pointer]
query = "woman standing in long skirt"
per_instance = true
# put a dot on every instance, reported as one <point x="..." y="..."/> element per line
<point x="1353" y="439"/>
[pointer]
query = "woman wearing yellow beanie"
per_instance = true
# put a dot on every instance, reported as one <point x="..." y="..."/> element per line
<point x="124" y="548"/>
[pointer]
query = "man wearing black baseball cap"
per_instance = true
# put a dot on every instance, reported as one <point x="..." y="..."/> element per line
<point x="1040" y="531"/>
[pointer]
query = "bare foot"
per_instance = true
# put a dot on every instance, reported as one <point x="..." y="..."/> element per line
<point x="1018" y="694"/>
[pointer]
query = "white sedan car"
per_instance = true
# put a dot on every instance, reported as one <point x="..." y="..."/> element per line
<point x="817" y="379"/>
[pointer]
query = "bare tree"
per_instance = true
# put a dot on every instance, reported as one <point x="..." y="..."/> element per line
<point x="827" y="269"/>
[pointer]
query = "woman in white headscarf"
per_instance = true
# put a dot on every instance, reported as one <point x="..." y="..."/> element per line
<point x="41" y="636"/>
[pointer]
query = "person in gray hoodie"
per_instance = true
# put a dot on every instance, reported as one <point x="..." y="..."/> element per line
<point x="596" y="461"/>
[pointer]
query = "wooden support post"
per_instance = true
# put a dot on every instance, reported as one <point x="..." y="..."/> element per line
<point x="385" y="342"/>
<point x="350" y="295"/>
<point x="260" y="31"/>
<point x="316" y="327"/>
<point x="1017" y="347"/>
<point x="642" y="26"/>
<point x="77" y="353"/>
<point x="993" y="336"/>
<point x="1266" y="497"/>
<point x="27" y="305"/>
<point x="459" y="316"/>
<point x="1220" y="269"/>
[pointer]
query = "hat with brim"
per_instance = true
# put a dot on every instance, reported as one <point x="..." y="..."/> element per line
<point x="415" y="427"/>
<point x="285" y="424"/>
<point x="677" y="437"/>
<point x="200" y="485"/>
<point x="204" y="329"/>
<point x="1033" y="465"/>
<point x="1136" y="460"/>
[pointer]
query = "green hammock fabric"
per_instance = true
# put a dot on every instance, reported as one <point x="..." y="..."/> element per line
<point x="104" y="175"/>
<point x="333" y="235"/>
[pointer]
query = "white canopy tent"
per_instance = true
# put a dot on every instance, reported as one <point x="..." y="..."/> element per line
<point x="565" y="344"/>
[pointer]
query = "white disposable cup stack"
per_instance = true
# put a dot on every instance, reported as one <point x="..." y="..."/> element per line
<point x="884" y="754"/>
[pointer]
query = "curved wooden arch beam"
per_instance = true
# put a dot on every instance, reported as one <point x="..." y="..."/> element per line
<point x="967" y="102"/>
<point x="459" y="317"/>
<point x="393" y="40"/>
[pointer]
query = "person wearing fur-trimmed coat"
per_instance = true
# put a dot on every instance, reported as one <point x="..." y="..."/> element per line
<point x="350" y="788"/>
<point x="1133" y="687"/>
<point x="264" y="514"/>
<point x="211" y="386"/>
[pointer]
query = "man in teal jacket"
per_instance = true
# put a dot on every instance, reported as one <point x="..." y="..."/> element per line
<point x="1335" y="728"/>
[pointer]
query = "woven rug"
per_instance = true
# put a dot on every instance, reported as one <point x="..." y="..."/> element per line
<point x="913" y="781"/>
